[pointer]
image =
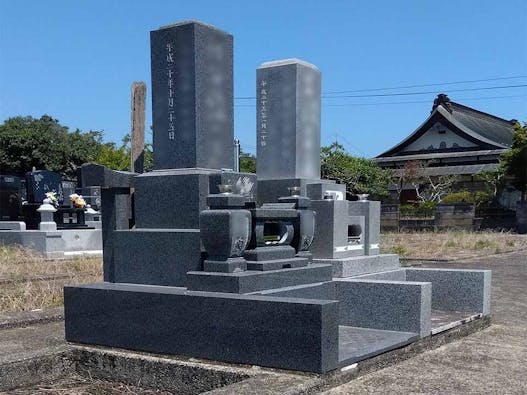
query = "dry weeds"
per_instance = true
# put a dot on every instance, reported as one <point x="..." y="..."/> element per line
<point x="77" y="385"/>
<point x="451" y="244"/>
<point x="29" y="282"/>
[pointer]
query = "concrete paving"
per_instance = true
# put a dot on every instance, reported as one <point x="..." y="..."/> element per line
<point x="493" y="361"/>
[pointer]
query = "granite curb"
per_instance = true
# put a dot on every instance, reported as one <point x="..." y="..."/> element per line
<point x="189" y="375"/>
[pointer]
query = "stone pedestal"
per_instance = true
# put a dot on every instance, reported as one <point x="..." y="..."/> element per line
<point x="46" y="211"/>
<point x="173" y="198"/>
<point x="269" y="190"/>
<point x="371" y="211"/>
<point x="338" y="235"/>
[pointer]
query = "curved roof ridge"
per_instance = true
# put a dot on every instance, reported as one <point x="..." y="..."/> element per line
<point x="492" y="117"/>
<point x="450" y="117"/>
<point x="466" y="129"/>
<point x="410" y="136"/>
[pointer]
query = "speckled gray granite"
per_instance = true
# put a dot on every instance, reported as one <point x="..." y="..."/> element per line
<point x="390" y="305"/>
<point x="176" y="252"/>
<point x="300" y="334"/>
<point x="491" y="361"/>
<point x="452" y="289"/>
<point x="255" y="280"/>
<point x="358" y="265"/>
<point x="171" y="199"/>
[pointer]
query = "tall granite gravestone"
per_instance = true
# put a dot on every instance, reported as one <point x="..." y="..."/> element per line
<point x="192" y="97"/>
<point x="258" y="298"/>
<point x="192" y="105"/>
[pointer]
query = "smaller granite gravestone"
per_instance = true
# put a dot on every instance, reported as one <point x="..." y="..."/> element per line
<point x="288" y="120"/>
<point x="10" y="198"/>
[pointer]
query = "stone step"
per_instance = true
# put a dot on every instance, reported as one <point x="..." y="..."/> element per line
<point x="252" y="280"/>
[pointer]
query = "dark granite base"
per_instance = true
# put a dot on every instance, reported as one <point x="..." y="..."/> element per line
<point x="155" y="256"/>
<point x="252" y="280"/>
<point x="230" y="265"/>
<point x="287" y="333"/>
<point x="356" y="344"/>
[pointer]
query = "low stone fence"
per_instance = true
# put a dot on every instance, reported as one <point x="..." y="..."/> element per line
<point x="447" y="216"/>
<point x="455" y="216"/>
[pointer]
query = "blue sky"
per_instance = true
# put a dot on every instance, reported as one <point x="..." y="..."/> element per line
<point x="76" y="60"/>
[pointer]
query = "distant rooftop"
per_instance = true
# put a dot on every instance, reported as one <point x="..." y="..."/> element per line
<point x="490" y="131"/>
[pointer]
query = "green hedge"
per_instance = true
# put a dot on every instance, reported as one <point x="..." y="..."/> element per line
<point x="419" y="210"/>
<point x="476" y="198"/>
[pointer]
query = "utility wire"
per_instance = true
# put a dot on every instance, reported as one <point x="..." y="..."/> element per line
<point x="399" y="102"/>
<point x="425" y="85"/>
<point x="417" y="101"/>
<point x="331" y="93"/>
<point x="429" y="92"/>
<point x="402" y="87"/>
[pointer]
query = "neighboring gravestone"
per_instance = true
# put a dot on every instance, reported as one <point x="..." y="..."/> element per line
<point x="192" y="96"/>
<point x="40" y="182"/>
<point x="137" y="146"/>
<point x="10" y="199"/>
<point x="288" y="120"/>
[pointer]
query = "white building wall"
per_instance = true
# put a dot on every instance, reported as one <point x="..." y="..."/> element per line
<point x="438" y="137"/>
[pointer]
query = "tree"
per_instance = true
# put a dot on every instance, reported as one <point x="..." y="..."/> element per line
<point x="493" y="179"/>
<point x="410" y="174"/>
<point x="247" y="162"/>
<point x="514" y="161"/>
<point x="27" y="142"/>
<point x="427" y="188"/>
<point x="359" y="174"/>
<point x="118" y="158"/>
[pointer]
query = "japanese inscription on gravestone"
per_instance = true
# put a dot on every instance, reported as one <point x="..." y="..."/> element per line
<point x="192" y="97"/>
<point x="288" y="120"/>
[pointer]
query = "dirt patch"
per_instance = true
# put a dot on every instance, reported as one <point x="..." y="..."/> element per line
<point x="451" y="245"/>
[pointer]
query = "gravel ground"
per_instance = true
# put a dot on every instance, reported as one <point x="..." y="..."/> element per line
<point x="493" y="361"/>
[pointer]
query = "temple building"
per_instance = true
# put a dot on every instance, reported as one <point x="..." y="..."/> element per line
<point x="454" y="139"/>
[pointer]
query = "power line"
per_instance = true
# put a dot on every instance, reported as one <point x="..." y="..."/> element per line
<point x="404" y="87"/>
<point x="425" y="85"/>
<point x="399" y="102"/>
<point x="417" y="101"/>
<point x="429" y="92"/>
